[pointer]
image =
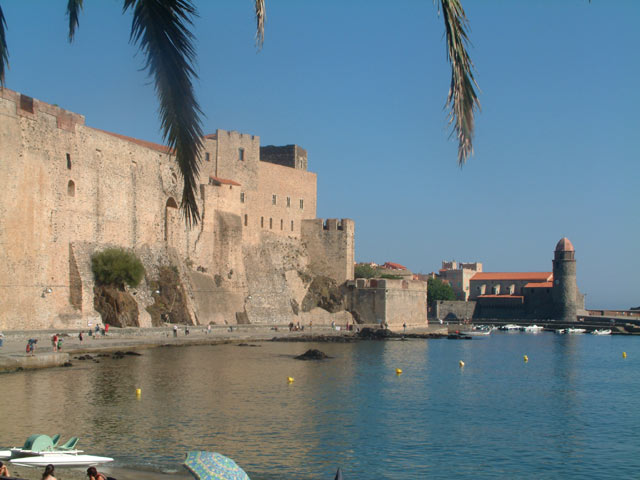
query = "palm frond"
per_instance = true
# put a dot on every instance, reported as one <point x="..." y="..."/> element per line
<point x="462" y="98"/>
<point x="160" y="28"/>
<point x="261" y="17"/>
<point x="4" y="51"/>
<point x="73" y="11"/>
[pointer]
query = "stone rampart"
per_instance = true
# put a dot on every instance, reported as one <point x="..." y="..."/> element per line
<point x="68" y="190"/>
<point x="330" y="245"/>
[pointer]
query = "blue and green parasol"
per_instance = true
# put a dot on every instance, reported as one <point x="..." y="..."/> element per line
<point x="213" y="466"/>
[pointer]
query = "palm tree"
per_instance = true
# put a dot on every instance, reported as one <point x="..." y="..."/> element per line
<point x="160" y="29"/>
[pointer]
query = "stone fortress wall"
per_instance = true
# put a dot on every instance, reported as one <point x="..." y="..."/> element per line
<point x="68" y="190"/>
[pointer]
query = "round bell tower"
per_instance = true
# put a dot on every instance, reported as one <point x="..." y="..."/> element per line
<point x="565" y="290"/>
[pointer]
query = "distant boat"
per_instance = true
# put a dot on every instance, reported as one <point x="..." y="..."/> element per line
<point x="604" y="331"/>
<point x="576" y="330"/>
<point x="509" y="327"/>
<point x="533" y="328"/>
<point x="476" y="333"/>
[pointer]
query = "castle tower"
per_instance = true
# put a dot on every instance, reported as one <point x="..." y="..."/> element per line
<point x="564" y="292"/>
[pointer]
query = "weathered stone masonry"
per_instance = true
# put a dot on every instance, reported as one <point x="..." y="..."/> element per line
<point x="67" y="190"/>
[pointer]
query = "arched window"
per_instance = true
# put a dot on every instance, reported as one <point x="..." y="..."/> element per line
<point x="292" y="225"/>
<point x="246" y="219"/>
<point x="68" y="162"/>
<point x="281" y="224"/>
<point x="71" y="188"/>
<point x="169" y="214"/>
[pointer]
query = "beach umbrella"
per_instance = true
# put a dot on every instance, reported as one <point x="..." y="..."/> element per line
<point x="213" y="466"/>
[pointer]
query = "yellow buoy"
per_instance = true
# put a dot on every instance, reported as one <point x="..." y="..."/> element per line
<point x="461" y="363"/>
<point x="138" y="391"/>
<point x="290" y="379"/>
<point x="398" y="371"/>
<point x="624" y="354"/>
<point x="526" y="359"/>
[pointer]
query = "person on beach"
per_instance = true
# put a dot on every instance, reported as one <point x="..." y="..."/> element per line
<point x="175" y="330"/>
<point x="106" y="328"/>
<point x="404" y="327"/>
<point x="54" y="342"/>
<point x="31" y="346"/>
<point x="80" y="336"/>
<point x="4" y="471"/>
<point x="208" y="329"/>
<point x="48" y="473"/>
<point x="59" y="343"/>
<point x="97" y="332"/>
<point x="93" y="474"/>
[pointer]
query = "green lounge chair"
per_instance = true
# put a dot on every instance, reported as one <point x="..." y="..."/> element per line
<point x="55" y="439"/>
<point x="70" y="444"/>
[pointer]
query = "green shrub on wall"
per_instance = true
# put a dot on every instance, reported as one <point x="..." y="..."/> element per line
<point x="116" y="266"/>
<point x="363" y="270"/>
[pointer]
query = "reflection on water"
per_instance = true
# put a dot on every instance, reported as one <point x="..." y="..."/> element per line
<point x="498" y="417"/>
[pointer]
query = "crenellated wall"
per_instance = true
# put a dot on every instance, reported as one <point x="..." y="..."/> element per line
<point x="330" y="244"/>
<point x="393" y="302"/>
<point x="68" y="190"/>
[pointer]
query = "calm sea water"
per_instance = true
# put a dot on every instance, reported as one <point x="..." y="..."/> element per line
<point x="572" y="411"/>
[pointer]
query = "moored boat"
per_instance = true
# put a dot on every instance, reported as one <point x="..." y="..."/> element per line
<point x="576" y="330"/>
<point x="533" y="328"/>
<point x="602" y="331"/>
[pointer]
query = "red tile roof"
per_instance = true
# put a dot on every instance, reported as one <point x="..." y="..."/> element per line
<point x="212" y="136"/>
<point x="534" y="276"/>
<point x="539" y="285"/>
<point x="394" y="266"/>
<point x="223" y="181"/>
<point x="142" y="143"/>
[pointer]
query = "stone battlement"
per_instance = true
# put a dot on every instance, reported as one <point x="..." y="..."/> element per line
<point x="29" y="107"/>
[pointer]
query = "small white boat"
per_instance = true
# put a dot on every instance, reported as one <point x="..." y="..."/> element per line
<point x="476" y="333"/>
<point x="533" y="328"/>
<point x="510" y="327"/>
<point x="561" y="331"/>
<point x="604" y="331"/>
<point x="60" y="460"/>
<point x="576" y="330"/>
<point x="5" y="454"/>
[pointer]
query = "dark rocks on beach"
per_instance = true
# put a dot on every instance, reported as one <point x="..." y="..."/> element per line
<point x="67" y="364"/>
<point x="84" y="357"/>
<point x="376" y="334"/>
<point x="120" y="354"/>
<point x="317" y="338"/>
<point x="312" y="354"/>
<point x="247" y="345"/>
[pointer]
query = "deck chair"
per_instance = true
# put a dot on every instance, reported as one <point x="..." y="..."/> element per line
<point x="70" y="444"/>
<point x="55" y="439"/>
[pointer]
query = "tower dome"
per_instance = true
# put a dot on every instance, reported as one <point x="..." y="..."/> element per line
<point x="565" y="245"/>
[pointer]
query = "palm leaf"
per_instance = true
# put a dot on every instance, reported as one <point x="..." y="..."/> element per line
<point x="261" y="17"/>
<point x="160" y="28"/>
<point x="4" y="52"/>
<point x="462" y="98"/>
<point x="73" y="11"/>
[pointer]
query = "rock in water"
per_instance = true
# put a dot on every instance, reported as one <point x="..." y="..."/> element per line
<point x="312" y="354"/>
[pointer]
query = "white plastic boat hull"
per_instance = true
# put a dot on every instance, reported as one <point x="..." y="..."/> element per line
<point x="60" y="460"/>
<point x="5" y="454"/>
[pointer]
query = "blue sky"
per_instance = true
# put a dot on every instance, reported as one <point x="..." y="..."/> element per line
<point x="361" y="84"/>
